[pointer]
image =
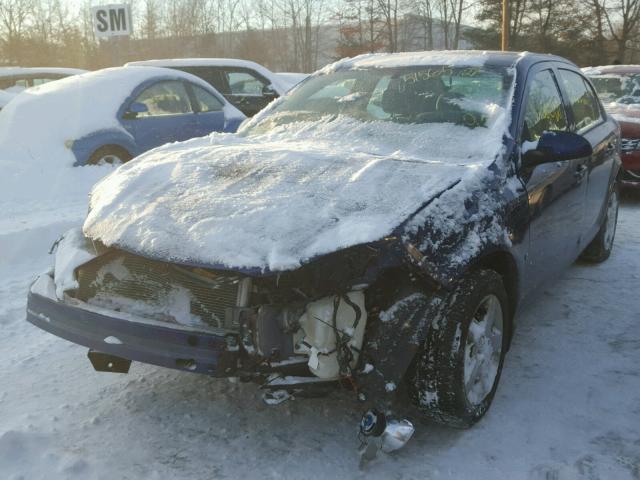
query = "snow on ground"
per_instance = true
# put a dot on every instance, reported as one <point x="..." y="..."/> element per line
<point x="568" y="406"/>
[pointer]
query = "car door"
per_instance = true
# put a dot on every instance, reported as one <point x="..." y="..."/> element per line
<point x="248" y="91"/>
<point x="168" y="115"/>
<point x="556" y="191"/>
<point x="587" y="119"/>
<point x="209" y="111"/>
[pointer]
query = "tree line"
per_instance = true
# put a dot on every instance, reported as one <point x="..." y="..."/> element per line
<point x="302" y="35"/>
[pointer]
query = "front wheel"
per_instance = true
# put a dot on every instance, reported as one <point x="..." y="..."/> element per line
<point x="457" y="373"/>
<point x="600" y="247"/>
<point x="109" y="155"/>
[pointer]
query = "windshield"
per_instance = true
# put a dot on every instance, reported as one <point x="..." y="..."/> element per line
<point x="618" y="88"/>
<point x="469" y="96"/>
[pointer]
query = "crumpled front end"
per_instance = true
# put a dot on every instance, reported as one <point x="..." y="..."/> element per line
<point x="301" y="326"/>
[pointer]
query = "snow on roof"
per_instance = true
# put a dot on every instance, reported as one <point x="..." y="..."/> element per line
<point x="462" y="58"/>
<point x="213" y="62"/>
<point x="30" y="71"/>
<point x="186" y="62"/>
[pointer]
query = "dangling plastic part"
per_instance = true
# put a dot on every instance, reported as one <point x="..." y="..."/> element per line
<point x="396" y="435"/>
<point x="373" y="423"/>
<point x="379" y="433"/>
<point x="275" y="397"/>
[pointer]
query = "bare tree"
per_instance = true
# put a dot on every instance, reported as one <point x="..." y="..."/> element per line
<point x="629" y="13"/>
<point x="425" y="14"/>
<point x="14" y="15"/>
<point x="389" y="13"/>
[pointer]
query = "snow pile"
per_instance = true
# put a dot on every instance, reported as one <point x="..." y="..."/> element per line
<point x="34" y="190"/>
<point x="275" y="200"/>
<point x="36" y="455"/>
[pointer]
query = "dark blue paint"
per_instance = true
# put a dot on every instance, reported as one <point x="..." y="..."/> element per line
<point x="551" y="212"/>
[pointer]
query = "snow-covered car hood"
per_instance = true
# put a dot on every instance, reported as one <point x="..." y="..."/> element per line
<point x="277" y="200"/>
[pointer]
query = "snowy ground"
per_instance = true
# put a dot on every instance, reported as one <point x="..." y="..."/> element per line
<point x="568" y="406"/>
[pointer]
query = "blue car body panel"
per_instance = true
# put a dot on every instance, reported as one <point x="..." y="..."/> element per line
<point x="84" y="148"/>
<point x="151" y="132"/>
<point x="139" y="135"/>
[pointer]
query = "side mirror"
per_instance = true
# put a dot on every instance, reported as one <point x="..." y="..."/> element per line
<point x="555" y="146"/>
<point x="269" y="92"/>
<point x="135" y="109"/>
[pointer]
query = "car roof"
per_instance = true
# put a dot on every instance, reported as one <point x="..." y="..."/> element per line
<point x="446" y="57"/>
<point x="212" y="62"/>
<point x="197" y="62"/>
<point x="30" y="71"/>
<point x="605" y="69"/>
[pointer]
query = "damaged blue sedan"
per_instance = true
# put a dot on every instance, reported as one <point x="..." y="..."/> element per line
<point x="378" y="227"/>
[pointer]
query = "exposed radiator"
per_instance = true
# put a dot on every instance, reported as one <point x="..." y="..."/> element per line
<point x="161" y="291"/>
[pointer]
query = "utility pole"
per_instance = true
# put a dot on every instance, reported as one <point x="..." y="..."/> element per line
<point x="505" y="25"/>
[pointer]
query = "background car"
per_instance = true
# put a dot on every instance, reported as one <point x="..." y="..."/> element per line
<point x="113" y="115"/>
<point x="16" y="79"/>
<point x="5" y="97"/>
<point x="619" y="88"/>
<point x="292" y="79"/>
<point x="247" y="85"/>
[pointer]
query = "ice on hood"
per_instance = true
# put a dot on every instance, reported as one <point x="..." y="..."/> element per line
<point x="274" y="201"/>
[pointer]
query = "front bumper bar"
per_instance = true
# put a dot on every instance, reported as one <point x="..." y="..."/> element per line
<point x="192" y="351"/>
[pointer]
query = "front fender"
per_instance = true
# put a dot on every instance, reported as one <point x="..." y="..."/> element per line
<point x="231" y="124"/>
<point x="472" y="219"/>
<point x="84" y="147"/>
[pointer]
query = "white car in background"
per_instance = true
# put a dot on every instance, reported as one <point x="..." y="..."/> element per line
<point x="17" y="79"/>
<point x="246" y="85"/>
<point x="5" y="97"/>
<point x="292" y="79"/>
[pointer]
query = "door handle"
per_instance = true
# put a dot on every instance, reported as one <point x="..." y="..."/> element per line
<point x="581" y="171"/>
<point x="611" y="148"/>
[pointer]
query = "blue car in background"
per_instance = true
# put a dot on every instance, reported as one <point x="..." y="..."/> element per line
<point x="159" y="110"/>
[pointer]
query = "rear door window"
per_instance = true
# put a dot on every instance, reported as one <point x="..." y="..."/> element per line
<point x="165" y="98"/>
<point x="245" y="83"/>
<point x="205" y="102"/>
<point x="582" y="100"/>
<point x="212" y="75"/>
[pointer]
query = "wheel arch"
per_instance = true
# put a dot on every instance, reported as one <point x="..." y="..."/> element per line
<point x="503" y="263"/>
<point x="88" y="145"/>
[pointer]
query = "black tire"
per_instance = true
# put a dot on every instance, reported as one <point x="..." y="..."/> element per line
<point x="600" y="247"/>
<point x="117" y="154"/>
<point x="437" y="385"/>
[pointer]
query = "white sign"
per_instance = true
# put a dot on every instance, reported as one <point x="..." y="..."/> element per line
<point x="111" y="20"/>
